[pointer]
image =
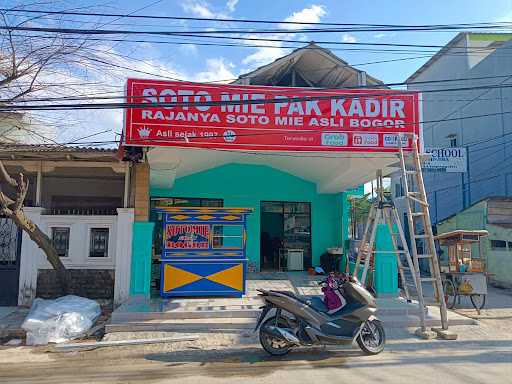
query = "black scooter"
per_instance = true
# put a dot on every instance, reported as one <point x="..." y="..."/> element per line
<point x="288" y="320"/>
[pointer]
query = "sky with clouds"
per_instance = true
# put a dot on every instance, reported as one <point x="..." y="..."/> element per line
<point x="192" y="61"/>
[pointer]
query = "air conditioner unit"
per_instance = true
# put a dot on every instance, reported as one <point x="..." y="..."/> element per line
<point x="295" y="260"/>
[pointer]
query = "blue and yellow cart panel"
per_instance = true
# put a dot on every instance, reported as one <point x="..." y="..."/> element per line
<point x="203" y="252"/>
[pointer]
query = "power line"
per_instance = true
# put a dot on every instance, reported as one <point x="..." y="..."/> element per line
<point x="298" y="90"/>
<point x="473" y="180"/>
<point x="467" y="51"/>
<point x="114" y="95"/>
<point x="106" y="142"/>
<point x="302" y="131"/>
<point x="403" y="28"/>
<point x="238" y="45"/>
<point x="460" y="186"/>
<point x="281" y="31"/>
<point x="208" y="34"/>
<point x="13" y="107"/>
<point x="255" y="21"/>
<point x="305" y="154"/>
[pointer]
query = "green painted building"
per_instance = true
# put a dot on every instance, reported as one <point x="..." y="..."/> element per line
<point x="494" y="215"/>
<point x="300" y="200"/>
<point x="265" y="189"/>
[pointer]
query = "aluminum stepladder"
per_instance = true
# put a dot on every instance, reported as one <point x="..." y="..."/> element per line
<point x="383" y="211"/>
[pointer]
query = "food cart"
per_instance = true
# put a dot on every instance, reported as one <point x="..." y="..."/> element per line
<point x="464" y="275"/>
<point x="203" y="251"/>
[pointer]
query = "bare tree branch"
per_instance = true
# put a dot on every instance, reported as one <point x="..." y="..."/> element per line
<point x="23" y="184"/>
<point x="5" y="202"/>
<point x="5" y="175"/>
<point x="29" y="65"/>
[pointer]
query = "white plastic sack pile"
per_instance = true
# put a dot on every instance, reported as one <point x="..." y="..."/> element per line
<point x="60" y="320"/>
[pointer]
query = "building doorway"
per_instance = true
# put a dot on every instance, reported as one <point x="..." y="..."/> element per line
<point x="285" y="226"/>
<point x="10" y="250"/>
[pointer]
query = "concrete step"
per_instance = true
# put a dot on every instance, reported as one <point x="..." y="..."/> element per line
<point x="409" y="309"/>
<point x="389" y="306"/>
<point x="181" y="325"/>
<point x="236" y="325"/>
<point x="395" y="313"/>
<point x="185" y="315"/>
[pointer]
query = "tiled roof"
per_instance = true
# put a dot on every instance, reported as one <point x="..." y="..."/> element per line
<point x="10" y="147"/>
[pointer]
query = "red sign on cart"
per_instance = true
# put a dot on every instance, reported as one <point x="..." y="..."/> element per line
<point x="237" y="117"/>
<point x="187" y="236"/>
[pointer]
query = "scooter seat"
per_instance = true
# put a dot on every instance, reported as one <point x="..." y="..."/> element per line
<point x="317" y="304"/>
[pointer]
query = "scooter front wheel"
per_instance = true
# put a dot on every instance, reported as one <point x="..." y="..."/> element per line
<point x="372" y="338"/>
<point x="271" y="344"/>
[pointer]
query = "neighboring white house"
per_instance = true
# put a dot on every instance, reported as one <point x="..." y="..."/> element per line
<point x="17" y="127"/>
<point x="80" y="198"/>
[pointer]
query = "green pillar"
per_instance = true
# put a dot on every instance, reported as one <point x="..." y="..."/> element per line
<point x="386" y="266"/>
<point x="142" y="243"/>
<point x="345" y="241"/>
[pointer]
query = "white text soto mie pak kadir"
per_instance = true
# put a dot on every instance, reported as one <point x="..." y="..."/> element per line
<point x="198" y="106"/>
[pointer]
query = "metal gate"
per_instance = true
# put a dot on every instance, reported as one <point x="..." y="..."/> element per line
<point x="10" y="250"/>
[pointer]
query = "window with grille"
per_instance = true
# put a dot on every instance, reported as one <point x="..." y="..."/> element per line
<point x="60" y="239"/>
<point x="99" y="242"/>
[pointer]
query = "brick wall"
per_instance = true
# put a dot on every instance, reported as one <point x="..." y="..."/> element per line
<point x="90" y="283"/>
<point x="141" y="191"/>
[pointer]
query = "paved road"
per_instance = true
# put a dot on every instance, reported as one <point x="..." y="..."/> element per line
<point x="482" y="354"/>
<point x="464" y="361"/>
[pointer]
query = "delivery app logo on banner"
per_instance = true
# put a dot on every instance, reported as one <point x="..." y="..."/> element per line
<point x="167" y="113"/>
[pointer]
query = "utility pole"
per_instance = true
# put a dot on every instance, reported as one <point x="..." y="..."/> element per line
<point x="468" y="170"/>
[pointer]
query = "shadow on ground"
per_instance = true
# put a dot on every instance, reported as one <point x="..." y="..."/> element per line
<point x="250" y="362"/>
<point x="253" y="362"/>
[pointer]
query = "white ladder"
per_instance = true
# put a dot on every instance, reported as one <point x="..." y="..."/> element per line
<point x="383" y="211"/>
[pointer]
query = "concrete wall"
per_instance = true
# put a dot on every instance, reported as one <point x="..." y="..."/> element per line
<point x="118" y="261"/>
<point x="499" y="261"/>
<point x="242" y="185"/>
<point x="79" y="240"/>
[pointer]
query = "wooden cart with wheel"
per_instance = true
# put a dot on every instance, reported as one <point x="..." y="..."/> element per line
<point x="464" y="275"/>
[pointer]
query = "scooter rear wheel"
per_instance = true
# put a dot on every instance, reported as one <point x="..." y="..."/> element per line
<point x="372" y="337"/>
<point x="271" y="344"/>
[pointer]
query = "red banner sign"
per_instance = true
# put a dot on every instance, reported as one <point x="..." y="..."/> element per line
<point x="268" y="118"/>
